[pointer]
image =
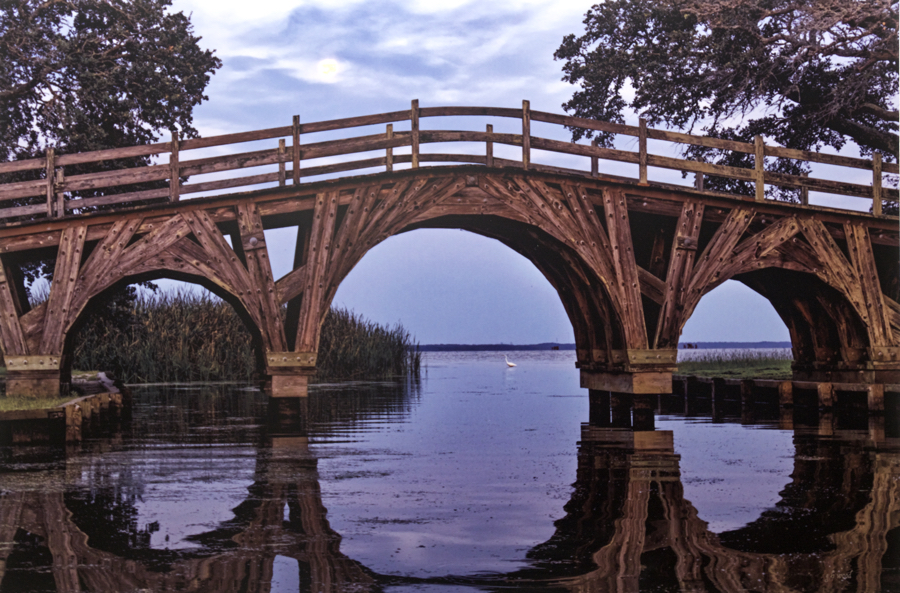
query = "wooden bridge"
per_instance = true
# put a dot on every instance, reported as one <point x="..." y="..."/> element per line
<point x="629" y="256"/>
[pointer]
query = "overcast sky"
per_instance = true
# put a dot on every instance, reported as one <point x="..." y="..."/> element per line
<point x="338" y="58"/>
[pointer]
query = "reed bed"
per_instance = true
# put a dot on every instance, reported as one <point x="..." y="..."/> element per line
<point x="737" y="363"/>
<point x="190" y="337"/>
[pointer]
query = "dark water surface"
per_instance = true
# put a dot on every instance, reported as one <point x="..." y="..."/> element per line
<point x="479" y="477"/>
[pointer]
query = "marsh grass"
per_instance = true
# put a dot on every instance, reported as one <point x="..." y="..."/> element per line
<point x="738" y="363"/>
<point x="194" y="337"/>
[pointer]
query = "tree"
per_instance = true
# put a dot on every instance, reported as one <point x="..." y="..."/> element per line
<point x="83" y="75"/>
<point x="806" y="74"/>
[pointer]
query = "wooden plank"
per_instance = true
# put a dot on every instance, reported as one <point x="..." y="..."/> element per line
<point x="23" y="189"/>
<point x="50" y="179"/>
<point x="117" y="177"/>
<point x="526" y="134"/>
<point x="642" y="152"/>
<point x="483" y="111"/>
<point x="759" y="166"/>
<point x="221" y="255"/>
<point x="12" y="338"/>
<point x="236" y="138"/>
<point x="389" y="152"/>
<point x="866" y="273"/>
<point x="260" y="276"/>
<point x="295" y="150"/>
<point x="355" y="122"/>
<point x="822" y="185"/>
<point x="583" y="150"/>
<point x="773" y="237"/>
<point x="109" y="154"/>
<point x="836" y="270"/>
<point x="117" y="199"/>
<point x="282" y="179"/>
<point x="876" y="184"/>
<point x="22" y="211"/>
<point x="587" y="124"/>
<point x="62" y="290"/>
<point x="617" y="225"/>
<point x="707" y="141"/>
<point x="717" y="255"/>
<point x="290" y="285"/>
<point x="818" y="157"/>
<point x="652" y="287"/>
<point x="414" y="132"/>
<point x="23" y="165"/>
<point x="700" y="167"/>
<point x="678" y="275"/>
<point x="311" y="308"/>
<point x="174" y="170"/>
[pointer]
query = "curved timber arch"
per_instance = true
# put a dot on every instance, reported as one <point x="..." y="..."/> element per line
<point x="629" y="261"/>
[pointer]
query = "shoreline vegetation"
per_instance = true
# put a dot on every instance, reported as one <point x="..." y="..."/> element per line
<point x="180" y="337"/>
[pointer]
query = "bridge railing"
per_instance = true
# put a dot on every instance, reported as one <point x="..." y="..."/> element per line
<point x="40" y="188"/>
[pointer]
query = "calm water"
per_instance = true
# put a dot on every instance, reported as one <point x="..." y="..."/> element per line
<point x="479" y="477"/>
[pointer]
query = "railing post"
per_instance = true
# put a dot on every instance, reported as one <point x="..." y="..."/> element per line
<point x="876" y="184"/>
<point x="759" y="165"/>
<point x="489" y="147"/>
<point x="60" y="195"/>
<point x="174" y="170"/>
<point x="50" y="176"/>
<point x="389" y="152"/>
<point x="595" y="162"/>
<point x="804" y="192"/>
<point x="526" y="134"/>
<point x="699" y="181"/>
<point x="295" y="150"/>
<point x="414" y="131"/>
<point x="281" y="179"/>
<point x="642" y="151"/>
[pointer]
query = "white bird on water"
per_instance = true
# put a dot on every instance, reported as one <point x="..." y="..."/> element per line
<point x="509" y="364"/>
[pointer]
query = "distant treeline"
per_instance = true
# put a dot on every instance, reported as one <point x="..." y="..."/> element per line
<point x="556" y="346"/>
<point x="494" y="347"/>
<point x="186" y="337"/>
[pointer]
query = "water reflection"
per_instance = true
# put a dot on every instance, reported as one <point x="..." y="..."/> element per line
<point x="221" y="490"/>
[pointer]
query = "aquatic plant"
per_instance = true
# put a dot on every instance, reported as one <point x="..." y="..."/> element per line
<point x="739" y="362"/>
<point x="186" y="336"/>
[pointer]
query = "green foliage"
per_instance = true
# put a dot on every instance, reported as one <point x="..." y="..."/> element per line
<point x="84" y="75"/>
<point x="804" y="74"/>
<point x="351" y="347"/>
<point x="184" y="337"/>
<point x="738" y="364"/>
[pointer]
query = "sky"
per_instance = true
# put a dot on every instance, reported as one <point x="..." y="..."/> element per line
<point x="327" y="59"/>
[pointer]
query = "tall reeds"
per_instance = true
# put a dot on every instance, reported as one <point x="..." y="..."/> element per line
<point x="188" y="337"/>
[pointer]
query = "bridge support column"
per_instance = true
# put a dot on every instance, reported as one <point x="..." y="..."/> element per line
<point x="646" y="382"/>
<point x="289" y="373"/>
<point x="37" y="377"/>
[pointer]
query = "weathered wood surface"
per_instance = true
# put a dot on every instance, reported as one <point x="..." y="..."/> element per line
<point x="113" y="181"/>
<point x="626" y="284"/>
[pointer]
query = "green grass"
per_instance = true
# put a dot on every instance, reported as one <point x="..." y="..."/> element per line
<point x="738" y="364"/>
<point x="14" y="404"/>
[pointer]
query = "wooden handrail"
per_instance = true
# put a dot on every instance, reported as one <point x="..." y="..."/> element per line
<point x="115" y="187"/>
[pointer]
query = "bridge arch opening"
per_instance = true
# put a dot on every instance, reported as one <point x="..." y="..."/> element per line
<point x="225" y="340"/>
<point x="450" y="286"/>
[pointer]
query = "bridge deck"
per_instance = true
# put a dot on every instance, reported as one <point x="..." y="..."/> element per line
<point x="63" y="185"/>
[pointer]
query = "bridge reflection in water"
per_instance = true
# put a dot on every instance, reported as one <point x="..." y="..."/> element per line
<point x="70" y="521"/>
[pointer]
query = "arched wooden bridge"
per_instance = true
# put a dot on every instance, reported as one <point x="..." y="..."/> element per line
<point x="630" y="257"/>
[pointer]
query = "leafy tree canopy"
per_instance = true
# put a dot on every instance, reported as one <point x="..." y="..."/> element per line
<point x="85" y="75"/>
<point x="806" y="74"/>
<point x="82" y="75"/>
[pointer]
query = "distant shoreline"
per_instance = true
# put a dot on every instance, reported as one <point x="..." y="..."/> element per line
<point x="556" y="346"/>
